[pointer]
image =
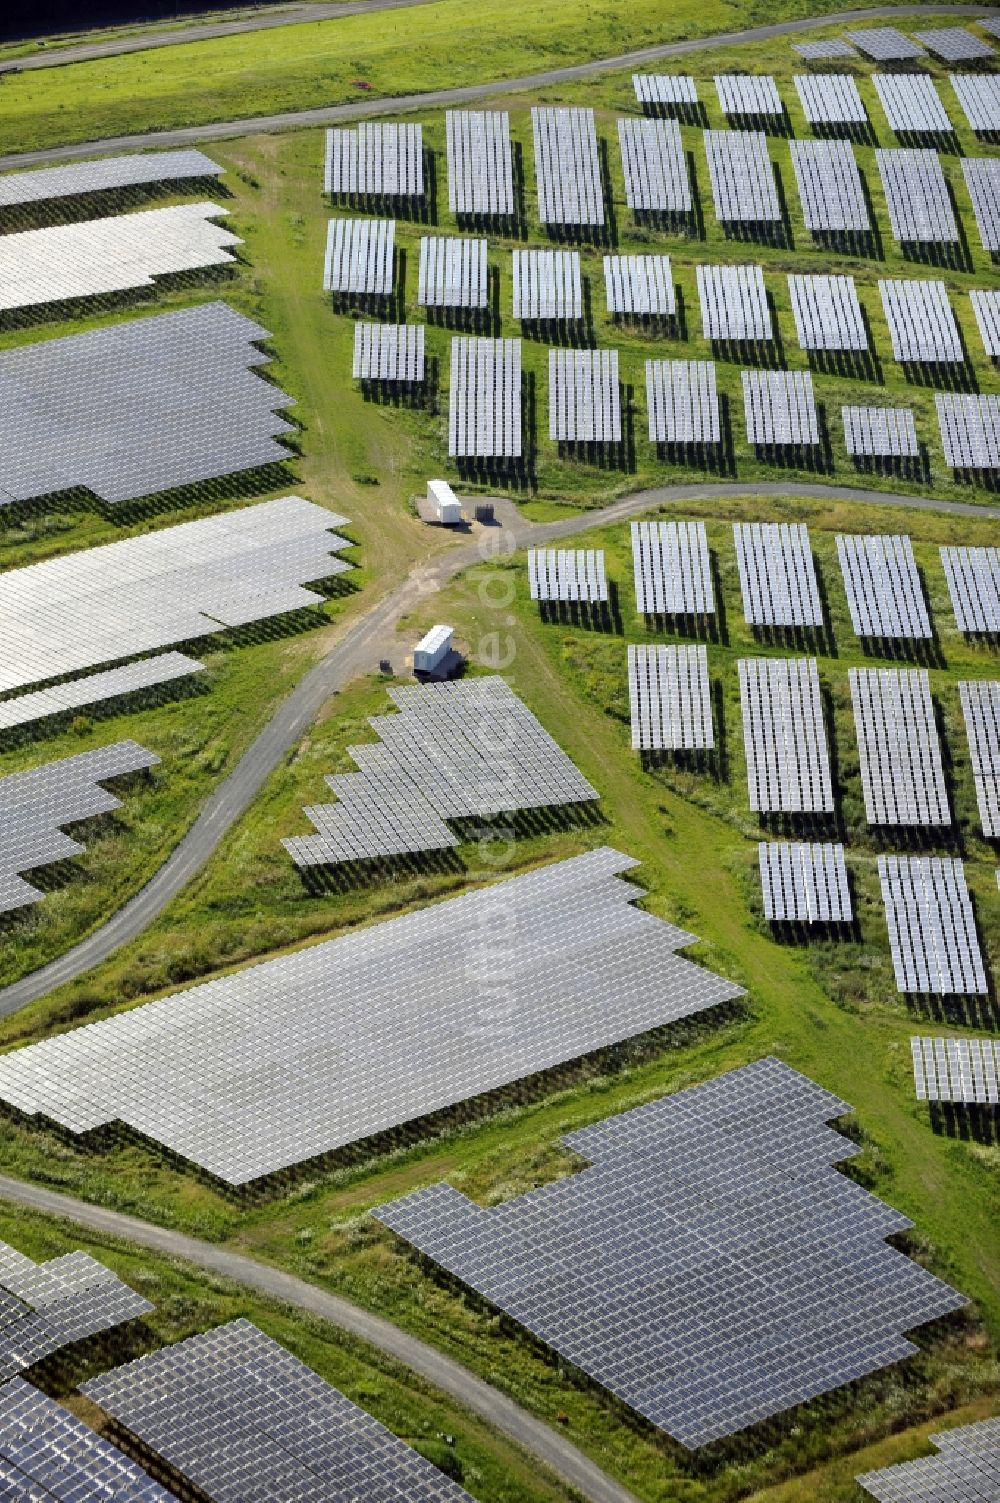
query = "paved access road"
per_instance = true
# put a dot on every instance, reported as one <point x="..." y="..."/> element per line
<point x="189" y="135"/>
<point x="366" y="639"/>
<point x="543" y="1444"/>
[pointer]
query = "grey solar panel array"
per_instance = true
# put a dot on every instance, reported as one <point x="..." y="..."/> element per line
<point x="360" y="257"/>
<point x="567" y="167"/>
<point x="784" y="736"/>
<point x="921" y="323"/>
<point x="986" y="307"/>
<point x="966" y="1471"/>
<point x="821" y="51"/>
<point x="655" y="166"/>
<point x="452" y="273"/>
<point x="111" y="172"/>
<point x="777" y="574"/>
<point x="885" y="44"/>
<point x="118" y="254"/>
<point x="388" y="352"/>
<point x="670" y="698"/>
<point x="456" y="751"/>
<point x="547" y="285"/>
<point x="584" y="397"/>
<point x="970" y="429"/>
<point x="979" y="96"/>
<point x="665" y="88"/>
<point x="138" y="407"/>
<point x="960" y="1070"/>
<point x="912" y="104"/>
<point x="953" y="44"/>
<point x="830" y="99"/>
<point x="883" y="432"/>
<point x="932" y="928"/>
<point x="47" y="1455"/>
<point x="779" y="407"/>
<point x="239" y="1417"/>
<point x="827" y="313"/>
<point x="990" y="24"/>
<point x="640" y="285"/>
<point x="377" y="159"/>
<point x="733" y="303"/>
<point x="882" y="582"/>
<point x="710" y="1268"/>
<point x="743" y="186"/>
<point x="982" y="179"/>
<point x="804" y="883"/>
<point x="484" y="412"/>
<point x="176" y="584"/>
<point x="830" y="187"/>
<point x="747" y="94"/>
<point x="567" y="574"/>
<point x="96" y="688"/>
<point x="672" y="569"/>
<point x="381" y="1027"/>
<point x="981" y="709"/>
<point x="900" y="754"/>
<point x="917" y="197"/>
<point x="682" y="401"/>
<point x="973" y="576"/>
<point x="480" y="164"/>
<point x="47" y="1306"/>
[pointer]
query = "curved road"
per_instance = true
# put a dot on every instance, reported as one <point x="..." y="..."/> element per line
<point x="357" y="653"/>
<point x="543" y="1444"/>
<point x="300" y="119"/>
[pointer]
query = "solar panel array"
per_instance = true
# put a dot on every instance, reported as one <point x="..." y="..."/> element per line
<point x="911" y="104"/>
<point x="882" y="583"/>
<point x="932" y="928"/>
<point x="47" y="1306"/>
<point x="672" y="569"/>
<point x="357" y="1035"/>
<point x="830" y="187"/>
<point x="966" y="1471"/>
<point x="804" y="883"/>
<point x="743" y="186"/>
<point x="830" y="99"/>
<point x="917" y="197"/>
<point x="779" y="407"/>
<point x="733" y="303"/>
<point x="748" y="94"/>
<point x="480" y="163"/>
<point x="567" y="166"/>
<point x="981" y="709"/>
<point x="567" y="574"/>
<point x="456" y="751"/>
<point x="665" y="88"/>
<point x="135" y="170"/>
<point x="584" y="398"/>
<point x="96" y="688"/>
<point x="655" y="166"/>
<point x="953" y="44"/>
<point x="922" y="326"/>
<point x="979" y="96"/>
<point x="819" y="52"/>
<point x="670" y="698"/>
<point x="986" y="307"/>
<point x="47" y="1455"/>
<point x="982" y="180"/>
<point x="34" y="804"/>
<point x="484" y="412"/>
<point x="110" y="255"/>
<point x="960" y="1070"/>
<point x="970" y="429"/>
<point x="452" y="273"/>
<point x="89" y="608"/>
<point x="388" y="352"/>
<point x="973" y="576"/>
<point x="639" y="285"/>
<point x="884" y="432"/>
<point x="784" y="736"/>
<point x="376" y="159"/>
<point x="547" y="285"/>
<point x="710" y="1268"/>
<point x="682" y="401"/>
<point x="239" y="1417"/>
<point x="777" y="574"/>
<point x="901" y="773"/>
<point x="139" y="407"/>
<point x="885" y="44"/>
<point x="827" y="313"/>
<point x="360" y="257"/>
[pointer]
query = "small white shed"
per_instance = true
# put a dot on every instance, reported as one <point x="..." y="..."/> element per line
<point x="432" y="649"/>
<point x="444" y="503"/>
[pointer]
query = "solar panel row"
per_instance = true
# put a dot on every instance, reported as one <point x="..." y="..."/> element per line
<point x="670" y="698"/>
<point x="932" y="928"/>
<point x="959" y="1070"/>
<point x="804" y="884"/>
<point x="784" y="736"/>
<point x="901" y="772"/>
<point x="966" y="1471"/>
